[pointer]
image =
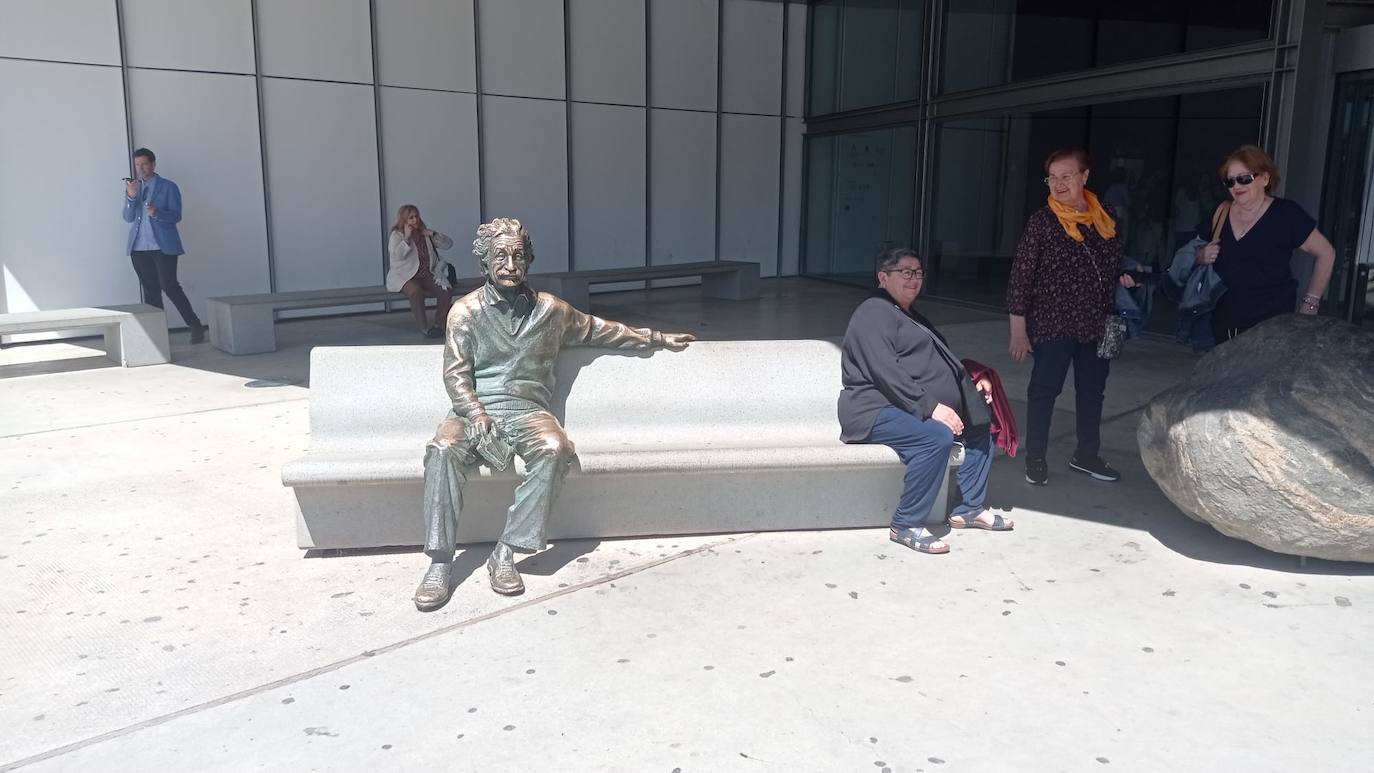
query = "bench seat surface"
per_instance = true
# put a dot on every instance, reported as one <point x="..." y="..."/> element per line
<point x="668" y="442"/>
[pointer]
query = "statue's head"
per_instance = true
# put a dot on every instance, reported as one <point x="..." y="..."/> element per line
<point x="506" y="252"/>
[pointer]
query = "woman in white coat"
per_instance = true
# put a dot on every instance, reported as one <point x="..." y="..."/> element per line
<point x="417" y="268"/>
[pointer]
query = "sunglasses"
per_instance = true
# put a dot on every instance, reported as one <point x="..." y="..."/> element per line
<point x="1243" y="179"/>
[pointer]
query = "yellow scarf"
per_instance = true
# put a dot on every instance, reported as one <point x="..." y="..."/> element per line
<point x="1094" y="216"/>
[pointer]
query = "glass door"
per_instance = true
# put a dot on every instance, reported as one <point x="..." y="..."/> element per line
<point x="1346" y="215"/>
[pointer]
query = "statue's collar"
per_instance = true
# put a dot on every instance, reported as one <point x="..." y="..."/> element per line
<point x="520" y="303"/>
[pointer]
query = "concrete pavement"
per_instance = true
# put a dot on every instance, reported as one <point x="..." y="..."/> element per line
<point x="158" y="615"/>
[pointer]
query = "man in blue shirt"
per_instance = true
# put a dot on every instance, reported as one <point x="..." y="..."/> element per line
<point x="152" y="207"/>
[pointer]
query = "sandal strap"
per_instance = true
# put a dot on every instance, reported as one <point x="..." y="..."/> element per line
<point x="908" y="537"/>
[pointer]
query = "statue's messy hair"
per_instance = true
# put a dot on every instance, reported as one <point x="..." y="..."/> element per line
<point x="488" y="233"/>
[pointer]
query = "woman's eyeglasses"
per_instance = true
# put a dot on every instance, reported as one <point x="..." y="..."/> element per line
<point x="1065" y="179"/>
<point x="907" y="273"/>
<point x="1243" y="179"/>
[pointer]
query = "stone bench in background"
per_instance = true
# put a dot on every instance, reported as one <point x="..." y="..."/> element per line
<point x="731" y="279"/>
<point x="134" y="334"/>
<point x="721" y="437"/>
<point x="246" y="324"/>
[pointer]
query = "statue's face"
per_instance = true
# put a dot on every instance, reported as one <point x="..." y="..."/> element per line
<point x="507" y="263"/>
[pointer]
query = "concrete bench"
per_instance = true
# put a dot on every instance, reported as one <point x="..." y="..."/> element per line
<point x="246" y="324"/>
<point x="733" y="279"/>
<point x="134" y="335"/>
<point x="721" y="437"/>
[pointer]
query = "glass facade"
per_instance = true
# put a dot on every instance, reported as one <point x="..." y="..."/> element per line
<point x="865" y="53"/>
<point x="928" y="125"/>
<point x="862" y="199"/>
<point x="1154" y="162"/>
<point x="991" y="42"/>
<point x="1345" y="214"/>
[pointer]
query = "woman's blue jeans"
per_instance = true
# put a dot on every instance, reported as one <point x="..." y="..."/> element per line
<point x="924" y="446"/>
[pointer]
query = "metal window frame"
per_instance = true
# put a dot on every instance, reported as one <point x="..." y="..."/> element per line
<point x="1270" y="62"/>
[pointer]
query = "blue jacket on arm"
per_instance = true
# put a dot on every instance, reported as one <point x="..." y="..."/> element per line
<point x="166" y="199"/>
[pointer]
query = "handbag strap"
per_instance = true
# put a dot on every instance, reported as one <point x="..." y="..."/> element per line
<point x="1219" y="219"/>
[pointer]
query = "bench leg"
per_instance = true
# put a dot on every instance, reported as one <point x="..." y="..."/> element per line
<point x="141" y="339"/>
<point x="741" y="285"/>
<point x="243" y="329"/>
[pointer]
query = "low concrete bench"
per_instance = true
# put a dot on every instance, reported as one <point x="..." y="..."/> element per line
<point x="721" y="437"/>
<point x="246" y="324"/>
<point x="134" y="335"/>
<point x="732" y="279"/>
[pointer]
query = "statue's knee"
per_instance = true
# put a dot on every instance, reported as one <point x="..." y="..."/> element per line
<point x="449" y="443"/>
<point x="449" y="434"/>
<point x="556" y="447"/>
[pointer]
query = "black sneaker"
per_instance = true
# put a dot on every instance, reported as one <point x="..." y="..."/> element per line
<point x="1094" y="466"/>
<point x="198" y="334"/>
<point x="1037" y="471"/>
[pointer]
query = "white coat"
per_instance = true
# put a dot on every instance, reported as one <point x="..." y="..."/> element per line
<point x="405" y="260"/>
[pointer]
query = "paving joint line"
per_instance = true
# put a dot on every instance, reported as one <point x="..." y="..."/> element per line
<point x="151" y="418"/>
<point x="364" y="655"/>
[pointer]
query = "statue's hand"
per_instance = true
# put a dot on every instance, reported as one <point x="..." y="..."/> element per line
<point x="481" y="424"/>
<point x="677" y="341"/>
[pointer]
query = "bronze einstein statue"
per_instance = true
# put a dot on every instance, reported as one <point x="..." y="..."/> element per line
<point x="501" y="342"/>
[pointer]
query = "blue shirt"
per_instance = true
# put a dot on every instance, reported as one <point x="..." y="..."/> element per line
<point x="145" y="238"/>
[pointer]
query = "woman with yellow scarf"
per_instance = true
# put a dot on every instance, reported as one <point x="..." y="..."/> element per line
<point x="1061" y="291"/>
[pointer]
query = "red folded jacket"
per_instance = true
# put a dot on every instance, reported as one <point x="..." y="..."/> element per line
<point x="1003" y="420"/>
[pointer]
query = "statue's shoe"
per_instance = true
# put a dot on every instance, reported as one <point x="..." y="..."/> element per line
<point x="504" y="579"/>
<point x="435" y="588"/>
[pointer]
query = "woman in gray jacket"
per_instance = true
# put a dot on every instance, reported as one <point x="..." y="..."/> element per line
<point x="905" y="389"/>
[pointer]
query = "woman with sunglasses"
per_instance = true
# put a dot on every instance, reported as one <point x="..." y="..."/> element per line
<point x="1253" y="254"/>
<point x="905" y="389"/>
<point x="1061" y="291"/>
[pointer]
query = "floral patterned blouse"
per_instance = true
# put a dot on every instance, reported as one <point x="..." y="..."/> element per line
<point x="1064" y="288"/>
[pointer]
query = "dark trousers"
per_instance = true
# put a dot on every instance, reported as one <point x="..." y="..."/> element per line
<point x="1052" y="361"/>
<point x="924" y="445"/>
<point x="157" y="274"/>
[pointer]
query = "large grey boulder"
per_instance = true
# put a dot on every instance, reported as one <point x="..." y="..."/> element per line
<point x="1271" y="439"/>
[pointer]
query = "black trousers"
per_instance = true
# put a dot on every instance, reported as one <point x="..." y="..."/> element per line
<point x="1052" y="361"/>
<point x="157" y="274"/>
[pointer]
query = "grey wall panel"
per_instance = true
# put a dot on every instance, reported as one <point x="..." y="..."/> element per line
<point x="682" y="52"/>
<point x="429" y="149"/>
<point x="215" y="35"/>
<point x="61" y="236"/>
<point x="792" y="199"/>
<point x="796" y="58"/>
<point x="751" y="54"/>
<point x="426" y="44"/>
<point x="607" y="51"/>
<point x="749" y="161"/>
<point x="522" y="47"/>
<point x="608" y="186"/>
<point x="322" y="39"/>
<point x="683" y="181"/>
<point x="65" y="30"/>
<point x="322" y="175"/>
<point x="204" y="130"/>
<point x="525" y="169"/>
